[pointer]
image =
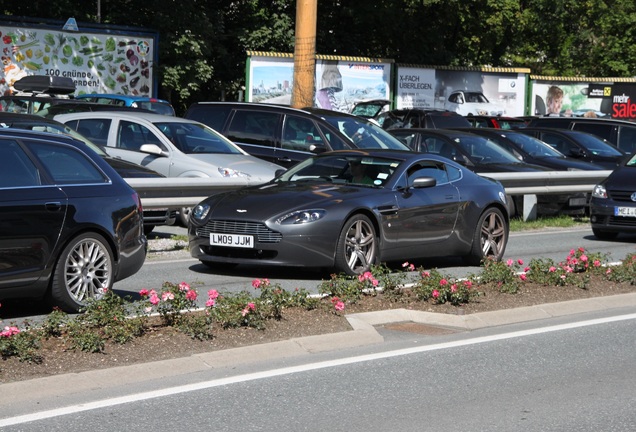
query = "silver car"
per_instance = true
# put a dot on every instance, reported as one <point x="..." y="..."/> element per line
<point x="172" y="146"/>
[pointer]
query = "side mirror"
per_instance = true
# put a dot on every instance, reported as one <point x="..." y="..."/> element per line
<point x="424" y="182"/>
<point x="152" y="149"/>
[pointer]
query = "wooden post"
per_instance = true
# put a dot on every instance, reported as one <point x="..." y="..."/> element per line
<point x="305" y="54"/>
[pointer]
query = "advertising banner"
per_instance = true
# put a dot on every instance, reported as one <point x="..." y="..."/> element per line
<point x="98" y="62"/>
<point x="340" y="81"/>
<point x="484" y="91"/>
<point x="618" y="100"/>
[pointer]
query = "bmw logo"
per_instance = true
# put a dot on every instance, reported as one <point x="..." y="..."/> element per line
<point x="633" y="197"/>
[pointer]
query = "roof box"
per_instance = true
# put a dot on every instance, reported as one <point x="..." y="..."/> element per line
<point x="45" y="84"/>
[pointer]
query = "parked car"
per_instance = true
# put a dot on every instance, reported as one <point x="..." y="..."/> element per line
<point x="498" y="122"/>
<point x="285" y="135"/>
<point x="73" y="106"/>
<point x="152" y="217"/>
<point x="316" y="215"/>
<point x="38" y="92"/>
<point x="532" y="150"/>
<point x="172" y="146"/>
<point x="370" y="108"/>
<point x="579" y="145"/>
<point x="613" y="203"/>
<point x="483" y="156"/>
<point x="159" y="106"/>
<point x="70" y="226"/>
<point x="420" y="118"/>
<point x="472" y="103"/>
<point x="619" y="133"/>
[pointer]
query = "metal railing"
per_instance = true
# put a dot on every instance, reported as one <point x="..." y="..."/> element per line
<point x="187" y="192"/>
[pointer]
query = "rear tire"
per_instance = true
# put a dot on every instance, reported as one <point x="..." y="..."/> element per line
<point x="490" y="238"/>
<point x="356" y="250"/>
<point x="83" y="271"/>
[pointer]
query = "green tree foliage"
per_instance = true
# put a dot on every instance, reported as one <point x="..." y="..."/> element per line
<point x="203" y="43"/>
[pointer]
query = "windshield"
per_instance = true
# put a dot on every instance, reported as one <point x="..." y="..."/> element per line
<point x="57" y="129"/>
<point x="364" y="134"/>
<point x="352" y="169"/>
<point x="484" y="151"/>
<point x="596" y="145"/>
<point x="193" y="138"/>
<point x="533" y="146"/>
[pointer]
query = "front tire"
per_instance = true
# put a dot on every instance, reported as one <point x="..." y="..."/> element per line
<point x="356" y="250"/>
<point x="604" y="235"/>
<point x="184" y="216"/>
<point x="490" y="237"/>
<point x="83" y="271"/>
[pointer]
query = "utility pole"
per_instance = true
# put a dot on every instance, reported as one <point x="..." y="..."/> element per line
<point x="305" y="54"/>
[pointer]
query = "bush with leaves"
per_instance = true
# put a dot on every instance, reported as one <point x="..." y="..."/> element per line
<point x="440" y="288"/>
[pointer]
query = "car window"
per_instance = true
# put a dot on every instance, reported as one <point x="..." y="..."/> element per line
<point x="131" y="136"/>
<point x="17" y="169"/>
<point x="95" y="130"/>
<point x="432" y="169"/>
<point x="560" y="144"/>
<point x="67" y="165"/>
<point x="408" y="138"/>
<point x="253" y="127"/>
<point x="15" y="105"/>
<point x="301" y="134"/>
<point x="196" y="138"/>
<point x="484" y="150"/>
<point x="627" y="139"/>
<point x="603" y="131"/>
<point x="212" y="115"/>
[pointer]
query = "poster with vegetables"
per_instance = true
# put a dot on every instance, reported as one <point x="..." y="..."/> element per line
<point x="97" y="63"/>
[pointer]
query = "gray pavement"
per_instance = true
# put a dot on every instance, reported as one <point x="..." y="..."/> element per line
<point x="365" y="331"/>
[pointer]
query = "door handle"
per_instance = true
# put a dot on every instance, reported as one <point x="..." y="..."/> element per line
<point x="53" y="206"/>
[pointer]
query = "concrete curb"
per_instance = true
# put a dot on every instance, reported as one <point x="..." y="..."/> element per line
<point x="363" y="333"/>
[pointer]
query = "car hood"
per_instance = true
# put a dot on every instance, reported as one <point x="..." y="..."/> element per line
<point x="260" y="171"/>
<point x="622" y="178"/>
<point x="265" y="201"/>
<point x="130" y="170"/>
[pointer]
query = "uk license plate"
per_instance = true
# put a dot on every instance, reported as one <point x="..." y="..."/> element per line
<point x="232" y="240"/>
<point x="625" y="211"/>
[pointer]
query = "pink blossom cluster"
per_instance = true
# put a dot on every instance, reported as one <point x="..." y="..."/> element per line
<point x="338" y="304"/>
<point x="250" y="307"/>
<point x="407" y="265"/>
<point x="260" y="283"/>
<point x="155" y="298"/>
<point x="212" y="296"/>
<point x="9" y="331"/>
<point x="368" y="276"/>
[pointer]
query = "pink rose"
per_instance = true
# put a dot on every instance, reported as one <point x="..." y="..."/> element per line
<point x="435" y="294"/>
<point x="212" y="294"/>
<point x="339" y="306"/>
<point x="191" y="295"/>
<point x="184" y="286"/>
<point x="256" y="283"/>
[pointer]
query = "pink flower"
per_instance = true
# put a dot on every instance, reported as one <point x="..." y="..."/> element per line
<point x="520" y="261"/>
<point x="143" y="292"/>
<point x="184" y="286"/>
<point x="191" y="295"/>
<point x="409" y="266"/>
<point x="597" y="263"/>
<point x="248" y="308"/>
<point x="583" y="258"/>
<point x="245" y="312"/>
<point x="148" y="309"/>
<point x="167" y="296"/>
<point x="435" y="293"/>
<point x="572" y="251"/>
<point x="522" y="277"/>
<point x="527" y="269"/>
<point x="426" y="274"/>
<point x="9" y="331"/>
<point x="339" y="306"/>
<point x="210" y="302"/>
<point x="154" y="299"/>
<point x="608" y="271"/>
<point x="443" y="282"/>
<point x="374" y="282"/>
<point x="552" y="269"/>
<point x="265" y="281"/>
<point x="453" y="288"/>
<point x="251" y="306"/>
<point x="468" y="284"/>
<point x="256" y="283"/>
<point x="509" y="263"/>
<point x="213" y="294"/>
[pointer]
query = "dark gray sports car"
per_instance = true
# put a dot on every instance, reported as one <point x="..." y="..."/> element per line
<point x="350" y="209"/>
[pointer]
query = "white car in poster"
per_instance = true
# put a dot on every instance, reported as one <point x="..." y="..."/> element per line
<point x="472" y="103"/>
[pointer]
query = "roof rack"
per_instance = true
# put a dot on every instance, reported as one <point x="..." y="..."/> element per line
<point x="45" y="84"/>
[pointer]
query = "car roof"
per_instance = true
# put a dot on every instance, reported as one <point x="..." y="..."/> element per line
<point x="443" y="132"/>
<point x="137" y="115"/>
<point x="122" y="97"/>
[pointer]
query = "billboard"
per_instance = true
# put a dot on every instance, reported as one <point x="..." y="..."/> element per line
<point x="340" y="81"/>
<point x="477" y="91"/>
<point x="99" y="60"/>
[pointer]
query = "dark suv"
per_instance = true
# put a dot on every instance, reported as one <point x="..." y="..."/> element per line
<point x="285" y="135"/>
<point x="620" y="133"/>
<point x="421" y="118"/>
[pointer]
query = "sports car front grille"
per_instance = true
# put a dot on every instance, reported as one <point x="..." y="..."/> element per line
<point x="260" y="231"/>
<point x="621" y="195"/>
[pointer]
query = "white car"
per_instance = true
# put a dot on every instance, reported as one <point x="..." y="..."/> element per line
<point x="172" y="146"/>
<point x="472" y="103"/>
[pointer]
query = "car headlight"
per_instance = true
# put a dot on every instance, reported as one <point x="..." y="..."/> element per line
<point x="229" y="172"/>
<point x="200" y="211"/>
<point x="599" y="191"/>
<point x="300" y="217"/>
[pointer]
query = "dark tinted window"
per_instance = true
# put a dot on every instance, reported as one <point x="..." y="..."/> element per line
<point x="95" y="130"/>
<point x="253" y="127"/>
<point x="600" y="130"/>
<point x="67" y="165"/>
<point x="17" y="169"/>
<point x="211" y="115"/>
<point x="301" y="134"/>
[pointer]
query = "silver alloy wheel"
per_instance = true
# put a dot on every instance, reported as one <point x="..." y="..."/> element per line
<point x="87" y="270"/>
<point x="493" y="235"/>
<point x="360" y="246"/>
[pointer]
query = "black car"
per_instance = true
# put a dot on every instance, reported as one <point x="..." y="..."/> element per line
<point x="70" y="226"/>
<point x="285" y="135"/>
<point x="421" y="118"/>
<point x="485" y="156"/>
<point x="152" y="217"/>
<point x="533" y="151"/>
<point x="620" y="133"/>
<point x="320" y="214"/>
<point x="579" y="145"/>
<point x="613" y="203"/>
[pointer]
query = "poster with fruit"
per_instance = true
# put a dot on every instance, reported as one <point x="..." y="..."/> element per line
<point x="97" y="63"/>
